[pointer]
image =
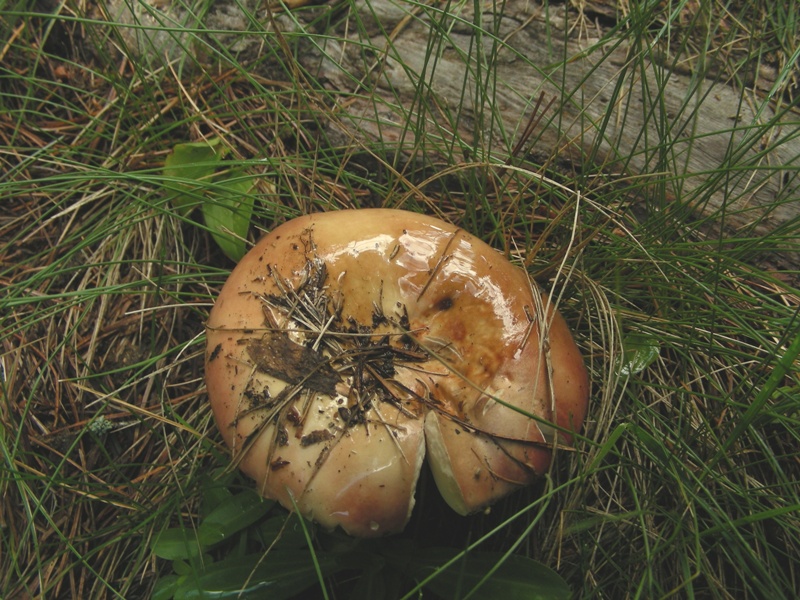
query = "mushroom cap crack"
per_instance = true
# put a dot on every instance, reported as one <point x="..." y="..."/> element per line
<point x="348" y="346"/>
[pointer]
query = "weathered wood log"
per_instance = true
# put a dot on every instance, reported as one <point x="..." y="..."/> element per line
<point x="730" y="155"/>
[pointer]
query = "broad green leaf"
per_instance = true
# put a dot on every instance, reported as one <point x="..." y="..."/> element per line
<point x="283" y="531"/>
<point x="482" y="576"/>
<point x="227" y="214"/>
<point x="214" y="492"/>
<point x="276" y="576"/>
<point x="190" y="164"/>
<point x="176" y="543"/>
<point x="638" y="352"/>
<point x="241" y="511"/>
<point x="165" y="587"/>
<point x="181" y="567"/>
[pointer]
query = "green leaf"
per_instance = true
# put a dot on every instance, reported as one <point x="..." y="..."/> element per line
<point x="283" y="531"/>
<point x="277" y="576"/>
<point x="227" y="214"/>
<point x="165" y="588"/>
<point x="638" y="352"/>
<point x="214" y="492"/>
<point x="241" y="511"/>
<point x="189" y="164"/>
<point x="487" y="575"/>
<point x="181" y="567"/>
<point x="176" y="543"/>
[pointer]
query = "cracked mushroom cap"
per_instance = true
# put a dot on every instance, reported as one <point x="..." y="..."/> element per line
<point x="347" y="346"/>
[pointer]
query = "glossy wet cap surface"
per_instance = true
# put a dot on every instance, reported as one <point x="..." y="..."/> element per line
<point x="347" y="346"/>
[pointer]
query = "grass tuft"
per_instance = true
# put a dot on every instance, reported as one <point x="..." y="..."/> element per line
<point x="685" y="481"/>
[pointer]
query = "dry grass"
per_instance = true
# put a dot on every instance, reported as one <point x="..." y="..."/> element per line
<point x="686" y="483"/>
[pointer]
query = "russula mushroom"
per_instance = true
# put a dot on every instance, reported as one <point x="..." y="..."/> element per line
<point x="347" y="346"/>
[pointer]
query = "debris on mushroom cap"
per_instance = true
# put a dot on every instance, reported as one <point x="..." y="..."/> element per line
<point x="346" y="345"/>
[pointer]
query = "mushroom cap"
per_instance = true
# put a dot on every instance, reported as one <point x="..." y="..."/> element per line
<point x="345" y="345"/>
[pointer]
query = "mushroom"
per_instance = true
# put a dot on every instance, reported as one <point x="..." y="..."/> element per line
<point x="347" y="346"/>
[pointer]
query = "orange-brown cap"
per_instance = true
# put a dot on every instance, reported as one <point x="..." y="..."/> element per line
<point x="347" y="344"/>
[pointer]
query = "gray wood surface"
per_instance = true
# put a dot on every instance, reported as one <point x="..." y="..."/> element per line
<point x="393" y="64"/>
